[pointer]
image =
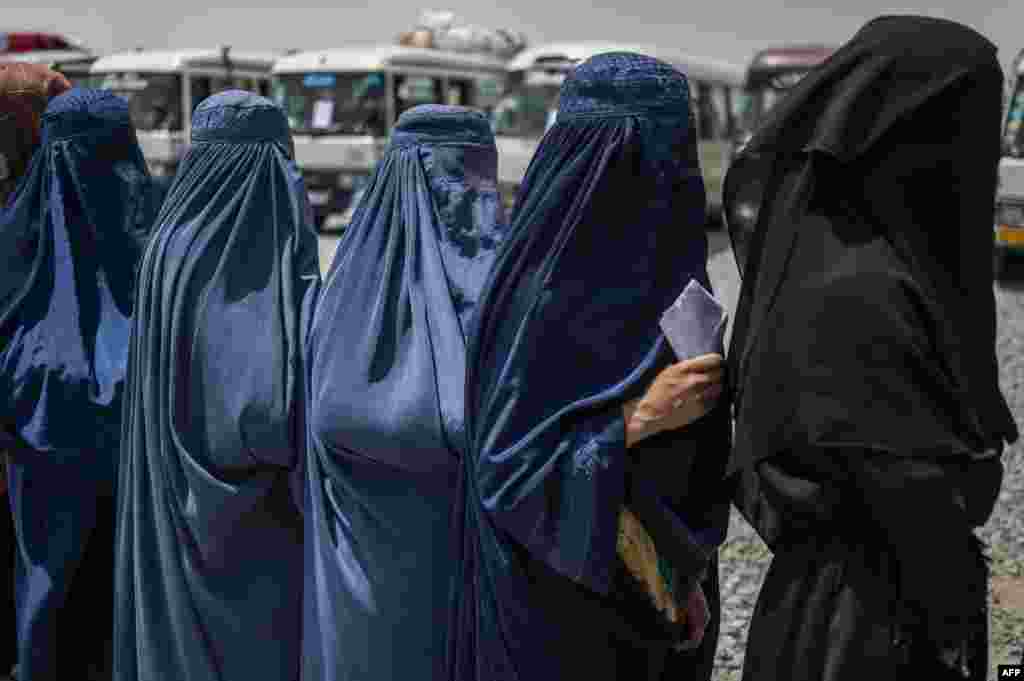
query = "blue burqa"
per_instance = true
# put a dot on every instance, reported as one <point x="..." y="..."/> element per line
<point x="209" y="545"/>
<point x="387" y="384"/>
<point x="70" y="241"/>
<point x="608" y="230"/>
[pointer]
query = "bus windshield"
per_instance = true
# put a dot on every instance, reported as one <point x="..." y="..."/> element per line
<point x="334" y="103"/>
<point x="154" y="99"/>
<point x="1013" y="134"/>
<point x="526" y="111"/>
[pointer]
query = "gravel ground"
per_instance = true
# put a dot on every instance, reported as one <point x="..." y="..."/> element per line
<point x="745" y="558"/>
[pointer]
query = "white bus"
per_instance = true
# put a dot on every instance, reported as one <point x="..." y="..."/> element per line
<point x="73" y="63"/>
<point x="342" y="103"/>
<point x="1009" y="222"/>
<point x="531" y="102"/>
<point x="163" y="87"/>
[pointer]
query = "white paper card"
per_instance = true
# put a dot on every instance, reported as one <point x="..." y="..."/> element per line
<point x="695" y="324"/>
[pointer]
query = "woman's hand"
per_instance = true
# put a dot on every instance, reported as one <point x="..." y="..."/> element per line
<point x="681" y="394"/>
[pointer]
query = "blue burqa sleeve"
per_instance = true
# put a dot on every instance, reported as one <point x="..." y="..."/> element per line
<point x="387" y="357"/>
<point x="608" y="229"/>
<point x="209" y="560"/>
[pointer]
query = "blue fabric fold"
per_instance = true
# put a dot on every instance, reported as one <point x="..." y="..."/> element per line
<point x="608" y="230"/>
<point x="387" y="383"/>
<point x="209" y="571"/>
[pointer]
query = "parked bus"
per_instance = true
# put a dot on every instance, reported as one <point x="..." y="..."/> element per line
<point x="163" y="87"/>
<point x="772" y="72"/>
<point x="342" y="103"/>
<point x="531" y="102"/>
<point x="1009" y="209"/>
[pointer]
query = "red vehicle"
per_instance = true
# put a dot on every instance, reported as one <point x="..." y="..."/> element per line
<point x="14" y="42"/>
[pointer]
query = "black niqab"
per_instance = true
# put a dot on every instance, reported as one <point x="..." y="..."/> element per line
<point x="867" y="317"/>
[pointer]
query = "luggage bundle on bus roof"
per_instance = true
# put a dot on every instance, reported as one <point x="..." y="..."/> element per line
<point x="444" y="30"/>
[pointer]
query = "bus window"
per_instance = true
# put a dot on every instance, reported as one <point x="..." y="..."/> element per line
<point x="1013" y="132"/>
<point x="202" y="87"/>
<point x="486" y="93"/>
<point x="524" y="112"/>
<point x="723" y="111"/>
<point x="220" y="84"/>
<point x="412" y="91"/>
<point x="154" y="99"/>
<point x="335" y="103"/>
<point x="460" y="92"/>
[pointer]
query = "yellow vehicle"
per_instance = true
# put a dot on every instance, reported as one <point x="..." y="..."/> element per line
<point x="531" y="102"/>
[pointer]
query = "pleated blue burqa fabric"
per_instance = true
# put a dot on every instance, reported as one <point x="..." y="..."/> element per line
<point x="387" y="355"/>
<point x="70" y="241"/>
<point x="209" y="573"/>
<point x="608" y="230"/>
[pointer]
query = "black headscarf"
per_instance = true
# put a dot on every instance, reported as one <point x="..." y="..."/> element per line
<point x="867" y="317"/>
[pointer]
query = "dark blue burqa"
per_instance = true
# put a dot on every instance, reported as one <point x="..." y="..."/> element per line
<point x="608" y="230"/>
<point x="70" y="239"/>
<point x="388" y="358"/>
<point x="209" y="546"/>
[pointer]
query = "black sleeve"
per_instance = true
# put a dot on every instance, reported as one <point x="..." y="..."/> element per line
<point x="920" y="508"/>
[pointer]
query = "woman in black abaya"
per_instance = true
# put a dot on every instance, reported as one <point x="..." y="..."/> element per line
<point x="869" y="421"/>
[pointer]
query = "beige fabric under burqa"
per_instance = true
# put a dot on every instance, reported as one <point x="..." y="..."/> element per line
<point x="869" y="419"/>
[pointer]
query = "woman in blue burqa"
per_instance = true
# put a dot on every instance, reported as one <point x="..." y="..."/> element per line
<point x="71" y="238"/>
<point x="209" y="543"/>
<point x="25" y="90"/>
<point x="589" y="509"/>
<point x="387" y="355"/>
